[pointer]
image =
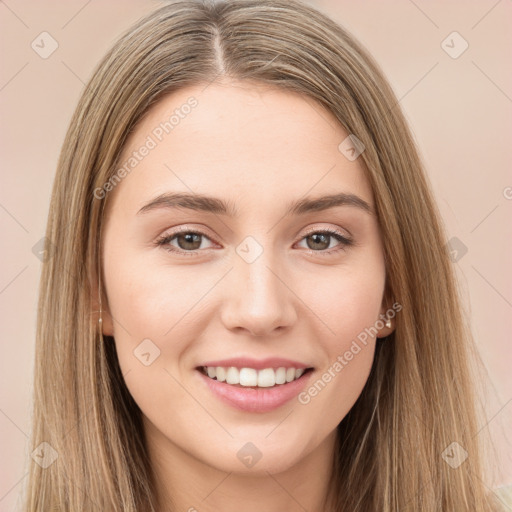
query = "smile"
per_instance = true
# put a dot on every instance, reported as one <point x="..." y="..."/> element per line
<point x="251" y="377"/>
<point x="254" y="390"/>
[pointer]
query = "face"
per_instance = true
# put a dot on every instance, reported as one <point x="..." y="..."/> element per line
<point x="242" y="281"/>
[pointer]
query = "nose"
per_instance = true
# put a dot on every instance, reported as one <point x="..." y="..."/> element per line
<point x="258" y="298"/>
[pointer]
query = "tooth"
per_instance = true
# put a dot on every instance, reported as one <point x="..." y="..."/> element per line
<point x="290" y="374"/>
<point x="281" y="375"/>
<point x="221" y="374"/>
<point x="266" y="378"/>
<point x="248" y="377"/>
<point x="233" y="375"/>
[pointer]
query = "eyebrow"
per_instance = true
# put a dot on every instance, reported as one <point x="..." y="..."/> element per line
<point x="199" y="202"/>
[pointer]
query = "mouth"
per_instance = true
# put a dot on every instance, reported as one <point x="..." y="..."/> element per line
<point x="254" y="390"/>
<point x="246" y="377"/>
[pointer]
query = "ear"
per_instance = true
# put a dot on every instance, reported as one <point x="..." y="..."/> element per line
<point x="385" y="310"/>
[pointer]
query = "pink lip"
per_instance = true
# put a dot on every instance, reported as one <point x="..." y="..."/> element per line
<point x="256" y="400"/>
<point x="245" y="362"/>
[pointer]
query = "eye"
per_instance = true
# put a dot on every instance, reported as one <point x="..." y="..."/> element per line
<point x="318" y="241"/>
<point x="188" y="241"/>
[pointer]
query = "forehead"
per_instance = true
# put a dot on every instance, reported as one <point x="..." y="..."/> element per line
<point x="245" y="142"/>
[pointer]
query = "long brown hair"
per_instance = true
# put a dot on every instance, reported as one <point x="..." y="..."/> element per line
<point x="419" y="398"/>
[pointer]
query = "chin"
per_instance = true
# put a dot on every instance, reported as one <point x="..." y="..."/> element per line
<point x="258" y="457"/>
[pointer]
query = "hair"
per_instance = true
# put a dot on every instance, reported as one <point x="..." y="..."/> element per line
<point x="419" y="397"/>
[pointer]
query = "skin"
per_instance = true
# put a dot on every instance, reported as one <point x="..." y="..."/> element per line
<point x="257" y="148"/>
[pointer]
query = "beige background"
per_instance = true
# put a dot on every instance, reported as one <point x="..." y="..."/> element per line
<point x="460" y="110"/>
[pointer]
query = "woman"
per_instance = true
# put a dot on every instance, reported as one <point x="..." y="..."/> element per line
<point x="251" y="304"/>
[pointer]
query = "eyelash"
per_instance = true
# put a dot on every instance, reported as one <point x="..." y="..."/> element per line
<point x="344" y="241"/>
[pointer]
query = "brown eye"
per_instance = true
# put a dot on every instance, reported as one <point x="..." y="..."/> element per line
<point x="189" y="241"/>
<point x="185" y="242"/>
<point x="320" y="241"/>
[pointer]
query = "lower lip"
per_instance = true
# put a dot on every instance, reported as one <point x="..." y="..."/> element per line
<point x="256" y="400"/>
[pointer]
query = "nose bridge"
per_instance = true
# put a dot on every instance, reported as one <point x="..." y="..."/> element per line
<point x="262" y="287"/>
<point x="259" y="300"/>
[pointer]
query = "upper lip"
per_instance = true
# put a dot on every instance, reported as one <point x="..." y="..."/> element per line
<point x="257" y="364"/>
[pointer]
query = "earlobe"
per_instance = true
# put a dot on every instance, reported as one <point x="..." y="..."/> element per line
<point x="105" y="323"/>
<point x="101" y="314"/>
<point x="386" y="323"/>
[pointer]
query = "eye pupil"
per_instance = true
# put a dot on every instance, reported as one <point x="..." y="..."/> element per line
<point x="324" y="242"/>
<point x="189" y="239"/>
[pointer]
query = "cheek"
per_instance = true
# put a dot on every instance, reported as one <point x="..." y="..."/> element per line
<point x="148" y="299"/>
<point x="345" y="301"/>
<point x="157" y="303"/>
<point x="336" y="387"/>
<point x="348" y="304"/>
<point x="349" y="346"/>
<point x="149" y="306"/>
